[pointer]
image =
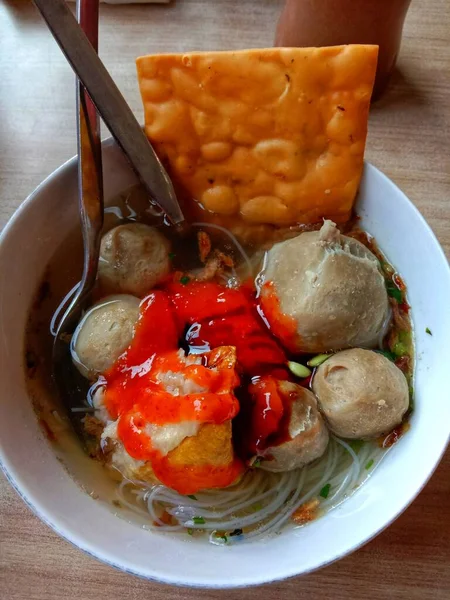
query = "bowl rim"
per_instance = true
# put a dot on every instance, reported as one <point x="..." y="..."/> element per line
<point x="72" y="536"/>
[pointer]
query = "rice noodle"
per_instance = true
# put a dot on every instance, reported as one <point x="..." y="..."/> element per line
<point x="260" y="503"/>
<point x="59" y="312"/>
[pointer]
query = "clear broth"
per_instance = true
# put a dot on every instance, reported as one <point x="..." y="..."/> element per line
<point x="63" y="273"/>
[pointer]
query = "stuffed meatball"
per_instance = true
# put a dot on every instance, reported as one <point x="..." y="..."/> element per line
<point x="324" y="291"/>
<point x="133" y="259"/>
<point x="104" y="332"/>
<point x="301" y="436"/>
<point x="361" y="393"/>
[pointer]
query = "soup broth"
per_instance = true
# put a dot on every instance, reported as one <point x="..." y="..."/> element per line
<point x="260" y="502"/>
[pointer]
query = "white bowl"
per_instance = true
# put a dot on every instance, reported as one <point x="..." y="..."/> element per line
<point x="29" y="461"/>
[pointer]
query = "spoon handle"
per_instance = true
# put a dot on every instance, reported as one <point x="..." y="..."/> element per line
<point x="88" y="17"/>
<point x="90" y="177"/>
<point x="110" y="104"/>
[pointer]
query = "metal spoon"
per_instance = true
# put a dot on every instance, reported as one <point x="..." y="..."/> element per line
<point x="90" y="197"/>
<point x="95" y="86"/>
<point x="111" y="105"/>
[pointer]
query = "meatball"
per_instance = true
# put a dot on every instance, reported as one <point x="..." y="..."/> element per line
<point x="133" y="259"/>
<point x="306" y="429"/>
<point x="324" y="291"/>
<point x="361" y="393"/>
<point x="104" y="332"/>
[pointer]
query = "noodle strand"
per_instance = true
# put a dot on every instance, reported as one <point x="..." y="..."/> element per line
<point x="260" y="503"/>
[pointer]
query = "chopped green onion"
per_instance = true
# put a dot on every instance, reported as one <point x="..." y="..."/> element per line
<point x="387" y="268"/>
<point x="325" y="490"/>
<point x="190" y="531"/>
<point x="256" y="507"/>
<point x="369" y="464"/>
<point x="185" y="279"/>
<point x="298" y="369"/>
<point x="318" y="360"/>
<point x="400" y="349"/>
<point x="387" y="354"/>
<point x="394" y="292"/>
<point x="428" y="330"/>
<point x="223" y="537"/>
<point x="356" y="445"/>
<point x="256" y="463"/>
<point x="236" y="532"/>
<point x="199" y="520"/>
<point x="404" y="336"/>
<point x="192" y="497"/>
<point x="171" y="255"/>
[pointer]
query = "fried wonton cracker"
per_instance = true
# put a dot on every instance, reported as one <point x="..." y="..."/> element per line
<point x="271" y="136"/>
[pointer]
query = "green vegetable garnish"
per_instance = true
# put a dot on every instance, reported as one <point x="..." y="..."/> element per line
<point x="199" y="520"/>
<point x="325" y="490"/>
<point x="404" y="336"/>
<point x="394" y="292"/>
<point x="222" y="537"/>
<point x="256" y="507"/>
<point x="369" y="464"/>
<point x="185" y="279"/>
<point x="387" y="354"/>
<point x="318" y="360"/>
<point x="190" y="531"/>
<point x="192" y="497"/>
<point x="428" y="330"/>
<point x="298" y="369"/>
<point x="400" y="349"/>
<point x="355" y="445"/>
<point x="387" y="268"/>
<point x="256" y="462"/>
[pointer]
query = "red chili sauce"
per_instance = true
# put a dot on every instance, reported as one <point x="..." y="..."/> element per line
<point x="198" y="317"/>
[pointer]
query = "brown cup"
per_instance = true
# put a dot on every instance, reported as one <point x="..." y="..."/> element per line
<point x="335" y="22"/>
